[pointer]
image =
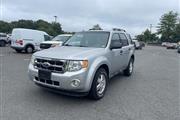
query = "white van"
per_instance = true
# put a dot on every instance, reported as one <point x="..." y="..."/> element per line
<point x="27" y="39"/>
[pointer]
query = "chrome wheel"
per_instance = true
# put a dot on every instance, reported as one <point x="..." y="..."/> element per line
<point x="29" y="49"/>
<point x="131" y="67"/>
<point x="101" y="84"/>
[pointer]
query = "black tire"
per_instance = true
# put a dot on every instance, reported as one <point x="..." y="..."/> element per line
<point x="18" y="51"/>
<point x="29" y="49"/>
<point x="128" y="71"/>
<point x="94" y="93"/>
<point x="2" y="43"/>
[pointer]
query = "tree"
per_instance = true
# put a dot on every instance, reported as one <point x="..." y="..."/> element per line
<point x="177" y="32"/>
<point x="147" y="36"/>
<point x="51" y="28"/>
<point x="57" y="28"/>
<point x="167" y="26"/>
<point x="29" y="24"/>
<point x="96" y="27"/>
<point x="5" y="27"/>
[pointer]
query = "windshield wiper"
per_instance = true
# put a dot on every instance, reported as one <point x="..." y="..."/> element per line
<point x="82" y="46"/>
<point x="67" y="45"/>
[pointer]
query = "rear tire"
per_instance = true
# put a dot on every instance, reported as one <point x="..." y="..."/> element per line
<point x="29" y="49"/>
<point x="129" y="70"/>
<point x="99" y="84"/>
<point x="2" y="43"/>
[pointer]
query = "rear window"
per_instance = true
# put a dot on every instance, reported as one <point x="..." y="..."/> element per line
<point x="124" y="39"/>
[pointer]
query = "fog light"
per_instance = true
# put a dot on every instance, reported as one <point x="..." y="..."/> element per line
<point x="75" y="83"/>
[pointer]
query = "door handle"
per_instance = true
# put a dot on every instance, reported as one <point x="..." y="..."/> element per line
<point x="121" y="51"/>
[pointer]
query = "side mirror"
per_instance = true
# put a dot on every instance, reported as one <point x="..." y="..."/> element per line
<point x="115" y="44"/>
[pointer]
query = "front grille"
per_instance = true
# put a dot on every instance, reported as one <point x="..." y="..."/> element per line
<point x="49" y="82"/>
<point x="56" y="66"/>
<point x="45" y="46"/>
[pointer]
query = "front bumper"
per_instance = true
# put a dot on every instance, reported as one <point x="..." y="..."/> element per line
<point x="65" y="80"/>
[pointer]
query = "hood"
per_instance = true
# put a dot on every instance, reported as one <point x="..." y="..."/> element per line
<point x="68" y="52"/>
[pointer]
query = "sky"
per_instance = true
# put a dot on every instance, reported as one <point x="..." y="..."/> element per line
<point x="76" y="15"/>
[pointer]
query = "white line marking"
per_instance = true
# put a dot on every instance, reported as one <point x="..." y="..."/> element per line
<point x="26" y="59"/>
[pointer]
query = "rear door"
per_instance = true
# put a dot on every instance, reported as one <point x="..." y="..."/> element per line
<point x="125" y="50"/>
<point x="16" y="35"/>
<point x="116" y="55"/>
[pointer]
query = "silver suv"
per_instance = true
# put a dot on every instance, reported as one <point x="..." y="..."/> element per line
<point x="85" y="63"/>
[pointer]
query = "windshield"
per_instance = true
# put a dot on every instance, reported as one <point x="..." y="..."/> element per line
<point x="89" y="39"/>
<point x="61" y="38"/>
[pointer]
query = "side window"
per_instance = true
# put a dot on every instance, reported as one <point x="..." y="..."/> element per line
<point x="124" y="39"/>
<point x="130" y="39"/>
<point x="46" y="37"/>
<point x="115" y="40"/>
<point x="115" y="37"/>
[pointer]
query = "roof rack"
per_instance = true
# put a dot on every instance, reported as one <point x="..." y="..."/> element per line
<point x="118" y="29"/>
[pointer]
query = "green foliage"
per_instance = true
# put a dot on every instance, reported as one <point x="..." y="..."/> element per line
<point x="51" y="28"/>
<point x="96" y="27"/>
<point x="167" y="26"/>
<point x="147" y="36"/>
<point x="177" y="32"/>
<point x="5" y="27"/>
<point x="168" y="29"/>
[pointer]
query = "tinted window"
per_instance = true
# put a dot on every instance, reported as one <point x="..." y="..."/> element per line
<point x="115" y="37"/>
<point x="129" y="36"/>
<point x="115" y="40"/>
<point x="124" y="39"/>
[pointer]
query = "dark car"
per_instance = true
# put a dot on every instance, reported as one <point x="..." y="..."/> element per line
<point x="3" y="39"/>
<point x="178" y="49"/>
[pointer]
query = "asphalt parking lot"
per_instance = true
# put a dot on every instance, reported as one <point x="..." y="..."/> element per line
<point x="151" y="93"/>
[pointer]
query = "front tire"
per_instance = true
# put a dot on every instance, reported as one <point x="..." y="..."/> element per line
<point x="129" y="70"/>
<point x="99" y="84"/>
<point x="29" y="49"/>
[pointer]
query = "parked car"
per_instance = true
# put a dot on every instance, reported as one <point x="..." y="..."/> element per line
<point x="137" y="44"/>
<point x="3" y="39"/>
<point x="84" y="64"/>
<point x="171" y="46"/>
<point x="178" y="49"/>
<point x="27" y="39"/>
<point x="142" y="44"/>
<point x="57" y="41"/>
<point x="164" y="44"/>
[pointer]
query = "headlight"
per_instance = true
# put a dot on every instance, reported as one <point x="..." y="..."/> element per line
<point x="73" y="66"/>
<point x="32" y="60"/>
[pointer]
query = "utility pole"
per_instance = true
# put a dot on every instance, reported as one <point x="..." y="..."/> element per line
<point x="151" y="28"/>
<point x="55" y="18"/>
<point x="1" y="10"/>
